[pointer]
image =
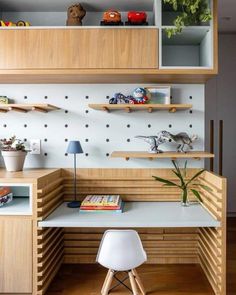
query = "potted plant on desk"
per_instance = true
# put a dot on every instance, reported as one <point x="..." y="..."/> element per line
<point x="186" y="185"/>
<point x="14" y="153"/>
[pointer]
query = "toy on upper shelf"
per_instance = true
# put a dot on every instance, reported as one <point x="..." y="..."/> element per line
<point x="136" y="18"/>
<point x="182" y="139"/>
<point x="111" y="18"/>
<point x="20" y="23"/>
<point x="138" y="97"/>
<point x="75" y="14"/>
<point x="4" y="99"/>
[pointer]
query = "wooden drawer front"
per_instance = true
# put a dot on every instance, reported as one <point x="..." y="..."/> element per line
<point x="78" y="48"/>
<point x="15" y="255"/>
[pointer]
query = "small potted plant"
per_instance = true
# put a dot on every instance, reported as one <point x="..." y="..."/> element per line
<point x="14" y="153"/>
<point x="185" y="185"/>
<point x="189" y="13"/>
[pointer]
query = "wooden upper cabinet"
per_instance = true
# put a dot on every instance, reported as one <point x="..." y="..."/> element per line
<point x="79" y="49"/>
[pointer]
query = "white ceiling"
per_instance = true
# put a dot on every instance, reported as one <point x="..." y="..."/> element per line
<point x="227" y="9"/>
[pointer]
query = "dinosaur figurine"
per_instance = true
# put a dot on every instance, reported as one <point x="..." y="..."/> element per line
<point x="183" y="139"/>
<point x="155" y="141"/>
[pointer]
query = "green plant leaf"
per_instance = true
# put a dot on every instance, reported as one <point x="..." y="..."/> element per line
<point x="195" y="176"/>
<point x="165" y="181"/>
<point x="185" y="168"/>
<point x="207" y="188"/>
<point x="179" y="173"/>
<point x="197" y="194"/>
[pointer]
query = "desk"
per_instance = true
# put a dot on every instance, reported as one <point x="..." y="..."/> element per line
<point x="135" y="215"/>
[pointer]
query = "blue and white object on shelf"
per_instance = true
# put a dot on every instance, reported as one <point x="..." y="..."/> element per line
<point x="6" y="196"/>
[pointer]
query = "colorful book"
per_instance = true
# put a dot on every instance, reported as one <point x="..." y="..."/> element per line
<point x="101" y="200"/>
<point x="105" y="211"/>
<point x="117" y="207"/>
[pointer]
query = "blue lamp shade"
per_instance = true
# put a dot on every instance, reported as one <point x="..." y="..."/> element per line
<point x="74" y="147"/>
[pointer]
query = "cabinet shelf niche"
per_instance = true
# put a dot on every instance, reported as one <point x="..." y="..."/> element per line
<point x="197" y="155"/>
<point x="172" y="108"/>
<point x="25" y="108"/>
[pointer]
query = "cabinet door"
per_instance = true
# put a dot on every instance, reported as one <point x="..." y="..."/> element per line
<point x="79" y="48"/>
<point x="15" y="255"/>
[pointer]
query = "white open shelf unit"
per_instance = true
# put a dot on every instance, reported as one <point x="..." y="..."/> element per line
<point x="191" y="49"/>
<point x="22" y="200"/>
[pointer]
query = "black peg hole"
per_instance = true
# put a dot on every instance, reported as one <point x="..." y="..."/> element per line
<point x="107" y="97"/>
<point x="66" y="139"/>
<point x="87" y="111"/>
<point x="107" y="140"/>
<point x="190" y="97"/>
<point x="107" y="154"/>
<point x="25" y="97"/>
<point x="66" y="97"/>
<point x="86" y="140"/>
<point x="5" y="125"/>
<point x="190" y="126"/>
<point x="25" y="139"/>
<point x="190" y="111"/>
<point x="87" y="126"/>
<point x="149" y="125"/>
<point x="86" y="155"/>
<point x="45" y="97"/>
<point x="170" y="126"/>
<point x="66" y="154"/>
<point x="128" y="126"/>
<point x="107" y="125"/>
<point x="45" y="139"/>
<point x="45" y="154"/>
<point x="128" y="140"/>
<point x="66" y="125"/>
<point x="66" y="112"/>
<point x="45" y="125"/>
<point x="86" y="97"/>
<point x="25" y="125"/>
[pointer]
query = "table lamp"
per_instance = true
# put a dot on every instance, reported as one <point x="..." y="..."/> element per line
<point x="74" y="148"/>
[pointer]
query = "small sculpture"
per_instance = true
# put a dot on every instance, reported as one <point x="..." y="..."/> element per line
<point x="138" y="18"/>
<point x="183" y="139"/>
<point x="156" y="141"/>
<point x="140" y="96"/>
<point x="75" y="14"/>
<point x="120" y="98"/>
<point x="111" y="18"/>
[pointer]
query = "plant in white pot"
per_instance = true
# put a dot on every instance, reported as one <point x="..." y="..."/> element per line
<point x="14" y="153"/>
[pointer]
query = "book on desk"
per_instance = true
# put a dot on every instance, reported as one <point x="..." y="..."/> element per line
<point x="102" y="204"/>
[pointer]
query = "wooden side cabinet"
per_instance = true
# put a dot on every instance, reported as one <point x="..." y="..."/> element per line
<point x="15" y="255"/>
<point x="79" y="49"/>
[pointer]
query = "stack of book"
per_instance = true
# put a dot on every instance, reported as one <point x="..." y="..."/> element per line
<point x="102" y="203"/>
<point x="5" y="195"/>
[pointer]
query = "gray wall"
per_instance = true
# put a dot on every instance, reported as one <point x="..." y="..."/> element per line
<point x="221" y="105"/>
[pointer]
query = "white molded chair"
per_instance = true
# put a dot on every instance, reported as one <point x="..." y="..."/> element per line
<point x="121" y="251"/>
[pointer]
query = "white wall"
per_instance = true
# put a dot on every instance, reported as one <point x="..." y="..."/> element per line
<point x="79" y="115"/>
<point x="221" y="105"/>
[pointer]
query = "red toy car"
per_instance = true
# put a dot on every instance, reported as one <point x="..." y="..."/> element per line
<point x="137" y="18"/>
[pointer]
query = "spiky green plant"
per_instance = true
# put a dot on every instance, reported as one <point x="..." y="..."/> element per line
<point x="184" y="183"/>
<point x="191" y="12"/>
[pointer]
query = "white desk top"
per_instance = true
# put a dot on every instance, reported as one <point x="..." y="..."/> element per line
<point x="19" y="206"/>
<point x="136" y="214"/>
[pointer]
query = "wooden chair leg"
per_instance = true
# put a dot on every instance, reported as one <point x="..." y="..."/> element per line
<point x="133" y="283"/>
<point x="138" y="281"/>
<point x="108" y="282"/>
<point x="105" y="281"/>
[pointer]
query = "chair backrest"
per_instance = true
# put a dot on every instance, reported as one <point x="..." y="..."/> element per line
<point x="121" y="250"/>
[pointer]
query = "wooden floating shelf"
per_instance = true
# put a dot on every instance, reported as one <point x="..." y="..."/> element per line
<point x="172" y="108"/>
<point x="165" y="155"/>
<point x="25" y="108"/>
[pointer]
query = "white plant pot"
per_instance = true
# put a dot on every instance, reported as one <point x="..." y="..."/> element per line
<point x="14" y="160"/>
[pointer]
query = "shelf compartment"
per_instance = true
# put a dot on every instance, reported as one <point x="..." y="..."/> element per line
<point x="197" y="155"/>
<point x="172" y="108"/>
<point x="191" y="48"/>
<point x="22" y="200"/>
<point x="25" y="108"/>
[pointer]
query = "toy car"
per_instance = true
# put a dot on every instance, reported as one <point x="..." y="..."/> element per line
<point x="137" y="18"/>
<point x="111" y="18"/>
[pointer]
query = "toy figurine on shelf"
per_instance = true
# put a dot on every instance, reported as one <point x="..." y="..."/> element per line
<point x="120" y="98"/>
<point x="136" y="18"/>
<point x="75" y="14"/>
<point x="140" y="96"/>
<point x="111" y="18"/>
<point x="155" y="141"/>
<point x="20" y="23"/>
<point x="183" y="140"/>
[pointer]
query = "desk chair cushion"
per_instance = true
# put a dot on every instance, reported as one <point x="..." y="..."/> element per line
<point x="121" y="250"/>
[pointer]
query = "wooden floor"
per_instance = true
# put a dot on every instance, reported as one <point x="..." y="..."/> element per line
<point x="157" y="279"/>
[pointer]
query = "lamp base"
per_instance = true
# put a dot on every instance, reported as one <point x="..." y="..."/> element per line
<point x="74" y="204"/>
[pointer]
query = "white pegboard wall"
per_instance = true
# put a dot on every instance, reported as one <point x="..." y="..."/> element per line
<point x="100" y="133"/>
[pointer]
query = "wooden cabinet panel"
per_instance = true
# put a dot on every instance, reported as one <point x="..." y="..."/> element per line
<point x="15" y="255"/>
<point x="79" y="48"/>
